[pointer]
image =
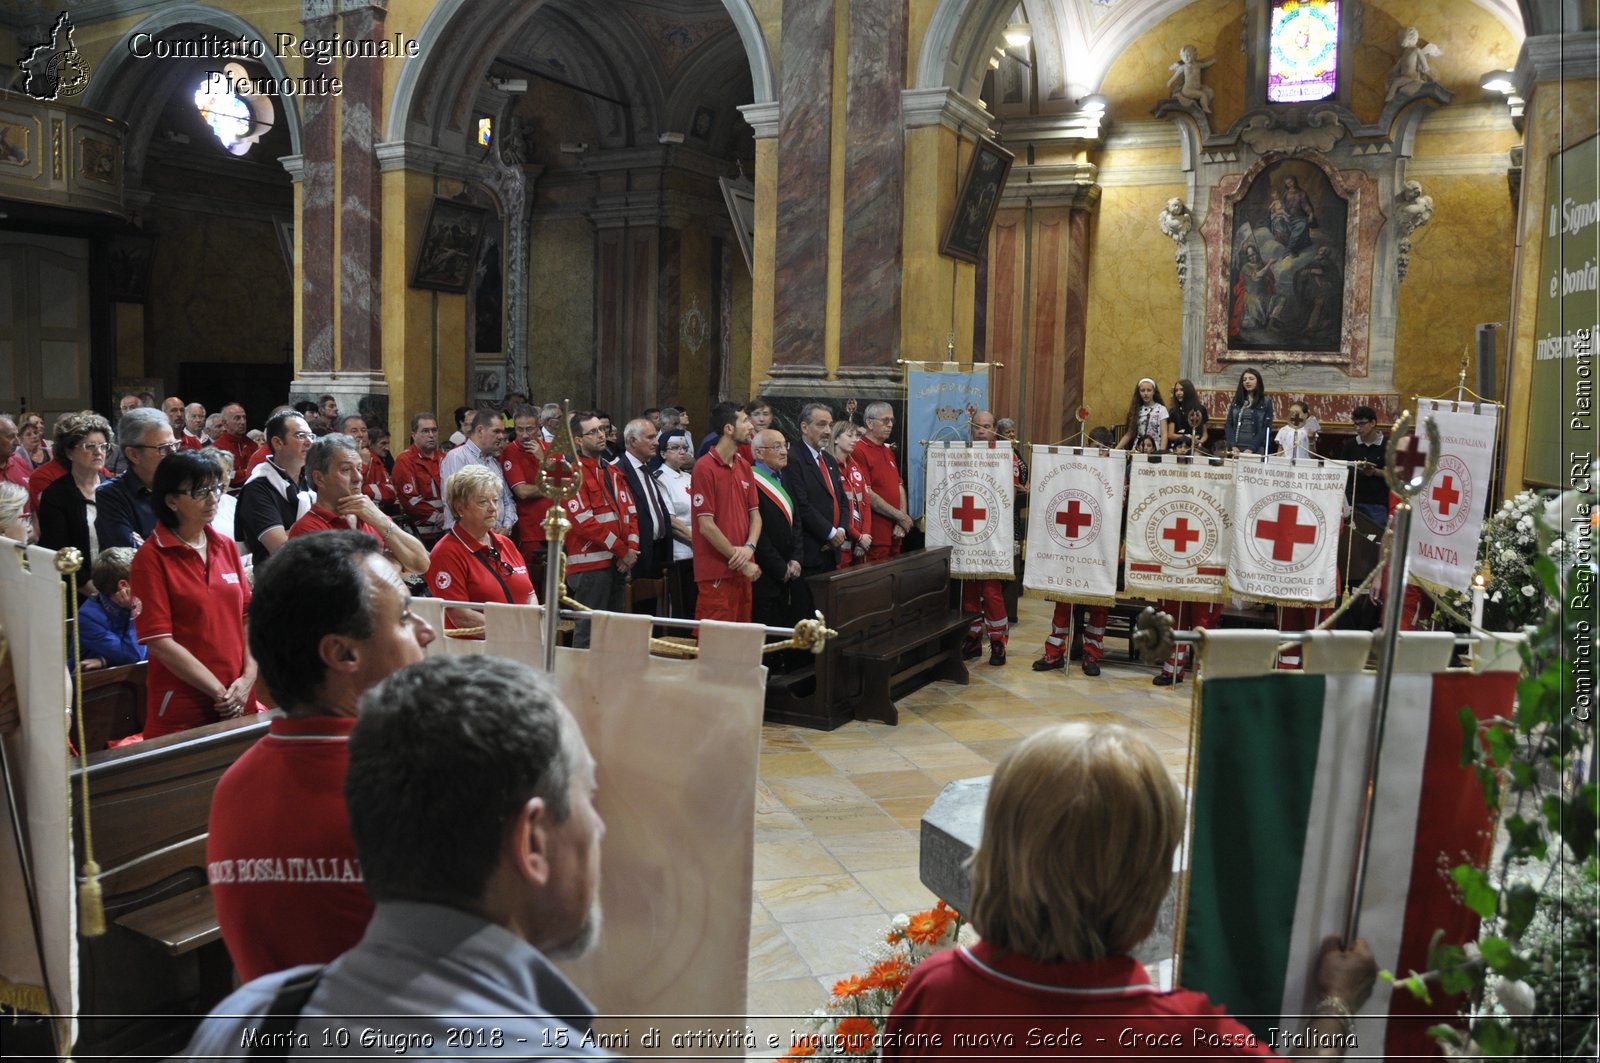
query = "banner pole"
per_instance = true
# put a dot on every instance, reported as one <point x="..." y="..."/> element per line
<point x="1407" y="482"/>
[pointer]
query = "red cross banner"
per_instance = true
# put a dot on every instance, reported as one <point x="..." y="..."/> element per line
<point x="1074" y="524"/>
<point x="968" y="507"/>
<point x="1448" y="519"/>
<point x="1180" y="527"/>
<point x="1286" y="532"/>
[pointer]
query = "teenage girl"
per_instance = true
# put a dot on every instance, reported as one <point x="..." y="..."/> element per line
<point x="1147" y="417"/>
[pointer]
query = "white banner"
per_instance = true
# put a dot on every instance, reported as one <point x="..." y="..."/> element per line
<point x="969" y="501"/>
<point x="1180" y="526"/>
<point x="1075" y="524"/>
<point x="1286" y="532"/>
<point x="1448" y="520"/>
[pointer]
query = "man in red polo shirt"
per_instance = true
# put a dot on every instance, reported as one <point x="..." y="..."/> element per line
<point x="886" y="491"/>
<point x="282" y="802"/>
<point x="417" y="481"/>
<point x="235" y="442"/>
<point x="374" y="477"/>
<point x="334" y="469"/>
<point x="520" y="461"/>
<point x="727" y="521"/>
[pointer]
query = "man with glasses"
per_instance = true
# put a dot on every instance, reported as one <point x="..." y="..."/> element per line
<point x="886" y="490"/>
<point x="485" y="437"/>
<point x="520" y="461"/>
<point x="123" y="516"/>
<point x="1367" y="491"/>
<point x="603" y="546"/>
<point x="417" y="480"/>
<point x="272" y="498"/>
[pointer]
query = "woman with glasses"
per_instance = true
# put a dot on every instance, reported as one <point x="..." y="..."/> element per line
<point x="473" y="562"/>
<point x="857" y="539"/>
<point x="67" y="510"/>
<point x="192" y="591"/>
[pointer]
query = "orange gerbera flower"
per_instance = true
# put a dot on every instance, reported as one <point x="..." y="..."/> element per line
<point x="889" y="974"/>
<point x="853" y="986"/>
<point x="855" y="1034"/>
<point x="928" y="927"/>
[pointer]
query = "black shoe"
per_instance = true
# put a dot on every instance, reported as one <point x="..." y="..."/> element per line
<point x="997" y="653"/>
<point x="1163" y="680"/>
<point x="1045" y="664"/>
<point x="972" y="651"/>
<point x="1091" y="667"/>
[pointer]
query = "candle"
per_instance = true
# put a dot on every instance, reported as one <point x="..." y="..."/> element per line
<point x="1477" y="600"/>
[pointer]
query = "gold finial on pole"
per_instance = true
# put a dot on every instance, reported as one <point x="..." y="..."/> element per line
<point x="1461" y="377"/>
<point x="560" y="476"/>
<point x="950" y="347"/>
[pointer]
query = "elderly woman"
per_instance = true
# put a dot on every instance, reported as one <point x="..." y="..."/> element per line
<point x="13" y="504"/>
<point x="192" y="591"/>
<point x="857" y="541"/>
<point x="1075" y="859"/>
<point x="67" y="510"/>
<point x="222" y="523"/>
<point x="473" y="562"/>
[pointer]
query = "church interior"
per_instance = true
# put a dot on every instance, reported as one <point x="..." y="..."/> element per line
<point x="625" y="204"/>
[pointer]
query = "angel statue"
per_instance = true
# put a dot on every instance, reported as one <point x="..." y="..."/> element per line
<point x="1187" y="70"/>
<point x="1413" y="210"/>
<point x="1411" y="71"/>
<point x="1177" y="222"/>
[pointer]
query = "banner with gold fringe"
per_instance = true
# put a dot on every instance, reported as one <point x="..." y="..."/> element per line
<point x="1075" y="524"/>
<point x="1448" y="526"/>
<point x="1286" y="532"/>
<point x="970" y="493"/>
<point x="1180" y="526"/>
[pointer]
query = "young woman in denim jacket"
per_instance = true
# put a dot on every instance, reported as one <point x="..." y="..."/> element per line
<point x="1249" y="416"/>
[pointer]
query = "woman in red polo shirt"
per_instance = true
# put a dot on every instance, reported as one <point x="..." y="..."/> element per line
<point x="857" y="539"/>
<point x="192" y="593"/>
<point x="473" y="562"/>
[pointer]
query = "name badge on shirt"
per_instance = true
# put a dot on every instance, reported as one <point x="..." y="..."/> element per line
<point x="230" y="577"/>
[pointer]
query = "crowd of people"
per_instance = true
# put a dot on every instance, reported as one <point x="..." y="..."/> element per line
<point x="726" y="528"/>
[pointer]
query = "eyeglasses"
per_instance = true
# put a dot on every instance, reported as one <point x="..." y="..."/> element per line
<point x="303" y="436"/>
<point x="593" y="432"/>
<point x="882" y="420"/>
<point x="95" y="448"/>
<point x="163" y="448"/>
<point x="200" y="494"/>
<point x="486" y="502"/>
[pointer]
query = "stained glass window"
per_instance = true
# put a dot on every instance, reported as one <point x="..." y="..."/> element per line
<point x="238" y="116"/>
<point x="1303" y="51"/>
<point x="485" y="131"/>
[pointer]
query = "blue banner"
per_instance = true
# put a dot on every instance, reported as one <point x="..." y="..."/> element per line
<point x="940" y="403"/>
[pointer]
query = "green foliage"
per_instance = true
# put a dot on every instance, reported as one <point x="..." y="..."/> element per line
<point x="1531" y="974"/>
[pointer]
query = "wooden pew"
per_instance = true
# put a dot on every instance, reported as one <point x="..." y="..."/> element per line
<point x="897" y="631"/>
<point x="113" y="705"/>
<point x="161" y="956"/>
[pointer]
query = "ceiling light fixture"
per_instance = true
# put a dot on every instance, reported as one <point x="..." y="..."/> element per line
<point x="1018" y="34"/>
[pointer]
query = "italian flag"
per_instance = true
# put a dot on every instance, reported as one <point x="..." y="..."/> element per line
<point x="1280" y="773"/>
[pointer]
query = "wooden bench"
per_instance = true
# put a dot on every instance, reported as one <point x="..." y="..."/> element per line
<point x="113" y="705"/>
<point x="161" y="956"/>
<point x="896" y="631"/>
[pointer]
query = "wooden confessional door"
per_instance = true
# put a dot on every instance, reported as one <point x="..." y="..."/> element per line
<point x="44" y="324"/>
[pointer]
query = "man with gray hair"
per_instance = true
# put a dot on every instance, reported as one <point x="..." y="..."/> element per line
<point x="333" y="471"/>
<point x="194" y="435"/>
<point x="475" y="886"/>
<point x="123" y="516"/>
<point x="549" y="419"/>
<point x="886" y="492"/>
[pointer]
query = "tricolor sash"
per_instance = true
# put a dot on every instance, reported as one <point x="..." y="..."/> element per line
<point x="767" y="483"/>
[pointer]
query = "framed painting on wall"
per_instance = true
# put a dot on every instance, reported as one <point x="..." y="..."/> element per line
<point x="976" y="201"/>
<point x="449" y="254"/>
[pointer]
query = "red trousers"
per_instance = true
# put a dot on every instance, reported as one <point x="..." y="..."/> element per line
<point x="1187" y="616"/>
<point x="985" y="597"/>
<point x="1094" y="632"/>
<point x="723" y="599"/>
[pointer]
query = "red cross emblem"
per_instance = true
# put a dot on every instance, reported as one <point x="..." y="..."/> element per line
<point x="1408" y="457"/>
<point x="1286" y="532"/>
<point x="1180" y="535"/>
<point x="969" y="514"/>
<point x="1073" y="520"/>
<point x="1446" y="495"/>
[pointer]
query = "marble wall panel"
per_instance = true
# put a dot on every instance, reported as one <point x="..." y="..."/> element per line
<point x="873" y="181"/>
<point x="638" y="382"/>
<point x="804" y="154"/>
<point x="317" y="253"/>
<point x="1002" y="315"/>
<point x="609" y="309"/>
<point x="669" y="310"/>
<point x="360" y="237"/>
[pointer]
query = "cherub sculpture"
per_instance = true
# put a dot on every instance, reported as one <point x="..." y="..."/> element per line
<point x="1411" y="71"/>
<point x="1413" y="210"/>
<point x="1177" y="223"/>
<point x="1188" y="71"/>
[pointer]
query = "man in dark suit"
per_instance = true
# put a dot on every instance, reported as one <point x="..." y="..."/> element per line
<point x="813" y="481"/>
<point x="655" y="516"/>
<point x="779" y="596"/>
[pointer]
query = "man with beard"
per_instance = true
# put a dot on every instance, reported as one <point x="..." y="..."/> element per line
<point x="476" y="886"/>
<point x="603" y="545"/>
<point x="727" y="521"/>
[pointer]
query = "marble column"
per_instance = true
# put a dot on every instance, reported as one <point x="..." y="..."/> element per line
<point x="318" y="118"/>
<point x="804" y="157"/>
<point x="874" y="182"/>
<point x="360" y="239"/>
